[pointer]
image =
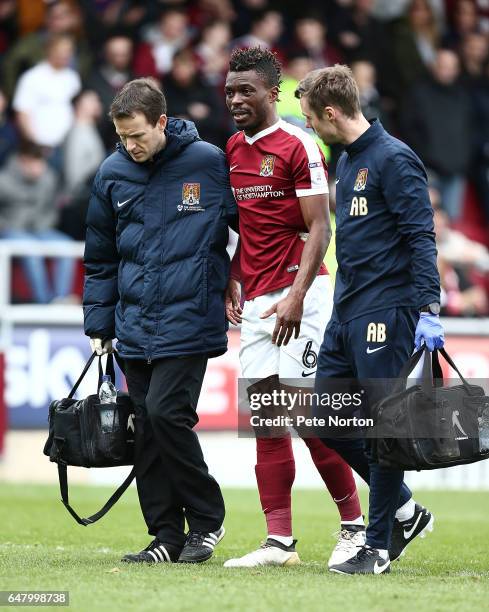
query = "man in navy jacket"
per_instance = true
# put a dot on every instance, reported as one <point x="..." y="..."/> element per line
<point x="156" y="270"/>
<point x="387" y="292"/>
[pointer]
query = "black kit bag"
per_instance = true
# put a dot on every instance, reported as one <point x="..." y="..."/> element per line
<point x="429" y="426"/>
<point x="89" y="434"/>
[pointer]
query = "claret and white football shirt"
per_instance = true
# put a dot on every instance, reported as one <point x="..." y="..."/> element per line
<point x="269" y="173"/>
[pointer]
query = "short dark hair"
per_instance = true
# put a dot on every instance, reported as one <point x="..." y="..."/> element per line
<point x="28" y="148"/>
<point x="139" y="96"/>
<point x="262" y="61"/>
<point x="333" y="86"/>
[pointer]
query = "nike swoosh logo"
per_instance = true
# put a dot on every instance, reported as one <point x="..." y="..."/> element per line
<point x="233" y="167"/>
<point x="370" y="351"/>
<point x="409" y="533"/>
<point x="378" y="569"/>
<point x="119" y="204"/>
<point x="337" y="501"/>
<point x="304" y="374"/>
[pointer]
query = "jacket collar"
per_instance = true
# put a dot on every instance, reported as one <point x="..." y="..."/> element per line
<point x="179" y="134"/>
<point x="361" y="143"/>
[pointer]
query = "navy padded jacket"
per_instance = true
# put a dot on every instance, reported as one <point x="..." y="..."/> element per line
<point x="156" y="266"/>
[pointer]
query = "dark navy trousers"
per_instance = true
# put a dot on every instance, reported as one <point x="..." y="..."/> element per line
<point x="368" y="353"/>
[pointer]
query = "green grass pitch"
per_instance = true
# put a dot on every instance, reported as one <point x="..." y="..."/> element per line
<point x="41" y="547"/>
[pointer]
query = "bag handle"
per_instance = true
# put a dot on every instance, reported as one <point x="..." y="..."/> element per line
<point x="451" y="363"/>
<point x="82" y="375"/>
<point x="427" y="378"/>
<point x="411" y="363"/>
<point x="432" y="374"/>
<point x="114" y="498"/>
<point x="109" y="369"/>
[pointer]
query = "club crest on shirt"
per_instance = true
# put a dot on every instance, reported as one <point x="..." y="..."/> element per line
<point x="190" y="198"/>
<point x="267" y="164"/>
<point x="361" y="180"/>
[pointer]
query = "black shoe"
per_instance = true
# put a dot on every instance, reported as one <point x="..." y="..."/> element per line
<point x="404" y="532"/>
<point x="156" y="552"/>
<point x="200" y="545"/>
<point x="366" y="561"/>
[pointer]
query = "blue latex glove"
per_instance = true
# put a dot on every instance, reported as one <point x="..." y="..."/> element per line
<point x="429" y="331"/>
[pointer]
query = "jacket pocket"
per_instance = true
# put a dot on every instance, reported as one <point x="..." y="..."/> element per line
<point x="205" y="285"/>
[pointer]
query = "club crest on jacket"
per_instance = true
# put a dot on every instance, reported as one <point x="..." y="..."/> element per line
<point x="190" y="198"/>
<point x="361" y="180"/>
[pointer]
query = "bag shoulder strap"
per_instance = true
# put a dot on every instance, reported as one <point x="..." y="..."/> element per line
<point x="63" y="486"/>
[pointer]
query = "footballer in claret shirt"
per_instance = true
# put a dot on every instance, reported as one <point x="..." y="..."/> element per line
<point x="270" y="171"/>
<point x="279" y="180"/>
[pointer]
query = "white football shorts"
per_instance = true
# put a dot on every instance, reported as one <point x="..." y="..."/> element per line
<point x="260" y="358"/>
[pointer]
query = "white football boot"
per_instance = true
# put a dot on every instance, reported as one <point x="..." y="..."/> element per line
<point x="269" y="553"/>
<point x="351" y="538"/>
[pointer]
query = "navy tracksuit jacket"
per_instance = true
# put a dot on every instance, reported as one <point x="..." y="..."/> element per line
<point x="385" y="247"/>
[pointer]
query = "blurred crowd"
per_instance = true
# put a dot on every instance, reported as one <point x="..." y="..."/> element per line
<point x="422" y="67"/>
